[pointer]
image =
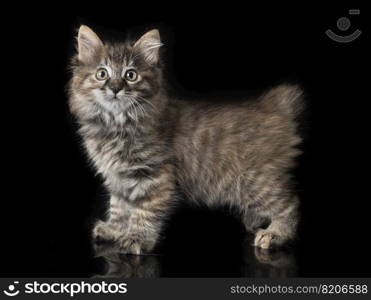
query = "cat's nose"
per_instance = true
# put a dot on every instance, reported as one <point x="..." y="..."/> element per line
<point x="116" y="89"/>
<point x="116" y="86"/>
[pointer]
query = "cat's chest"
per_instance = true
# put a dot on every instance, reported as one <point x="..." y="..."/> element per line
<point x="109" y="155"/>
<point x="119" y="161"/>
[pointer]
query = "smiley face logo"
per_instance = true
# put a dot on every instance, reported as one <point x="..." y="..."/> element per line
<point x="343" y="24"/>
<point x="11" y="290"/>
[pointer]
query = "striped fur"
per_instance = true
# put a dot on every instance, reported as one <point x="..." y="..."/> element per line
<point x="146" y="144"/>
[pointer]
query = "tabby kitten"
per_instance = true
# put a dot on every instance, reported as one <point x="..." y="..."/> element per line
<point x="145" y="143"/>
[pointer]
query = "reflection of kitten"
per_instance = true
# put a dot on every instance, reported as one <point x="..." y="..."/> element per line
<point x="144" y="144"/>
<point x="270" y="263"/>
<point x="121" y="265"/>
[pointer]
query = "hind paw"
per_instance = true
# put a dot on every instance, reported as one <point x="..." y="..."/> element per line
<point x="265" y="239"/>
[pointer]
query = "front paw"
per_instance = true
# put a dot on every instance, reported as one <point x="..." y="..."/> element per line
<point x="135" y="245"/>
<point x="103" y="232"/>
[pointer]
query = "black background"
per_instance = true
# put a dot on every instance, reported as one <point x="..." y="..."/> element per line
<point x="51" y="196"/>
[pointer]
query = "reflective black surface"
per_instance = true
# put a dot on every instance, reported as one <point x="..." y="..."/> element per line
<point x="256" y="263"/>
<point x="185" y="251"/>
<point x="202" y="243"/>
<point x="196" y="243"/>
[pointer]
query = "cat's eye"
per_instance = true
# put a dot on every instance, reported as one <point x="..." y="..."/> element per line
<point x="131" y="75"/>
<point x="102" y="74"/>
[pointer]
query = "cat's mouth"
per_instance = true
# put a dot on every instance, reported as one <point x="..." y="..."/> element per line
<point x="114" y="98"/>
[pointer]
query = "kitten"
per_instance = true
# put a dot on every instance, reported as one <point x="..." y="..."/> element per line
<point x="144" y="144"/>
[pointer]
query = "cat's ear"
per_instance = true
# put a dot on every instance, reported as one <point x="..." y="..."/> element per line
<point x="149" y="45"/>
<point x="89" y="44"/>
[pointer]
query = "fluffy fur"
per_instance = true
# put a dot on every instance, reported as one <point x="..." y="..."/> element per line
<point x="146" y="145"/>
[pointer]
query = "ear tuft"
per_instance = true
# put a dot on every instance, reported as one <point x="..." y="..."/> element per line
<point x="88" y="44"/>
<point x="149" y="45"/>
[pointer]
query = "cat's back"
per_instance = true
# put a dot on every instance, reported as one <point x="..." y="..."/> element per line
<point x="274" y="112"/>
<point x="221" y="140"/>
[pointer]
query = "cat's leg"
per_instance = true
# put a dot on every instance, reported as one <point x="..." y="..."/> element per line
<point x="254" y="220"/>
<point x="134" y="227"/>
<point x="283" y="214"/>
<point x="135" y="219"/>
<point x="112" y="229"/>
<point x="147" y="205"/>
<point x="270" y="210"/>
<point x="143" y="228"/>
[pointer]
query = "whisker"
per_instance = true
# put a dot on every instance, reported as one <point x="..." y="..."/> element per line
<point x="148" y="102"/>
<point x="139" y="106"/>
<point x="135" y="117"/>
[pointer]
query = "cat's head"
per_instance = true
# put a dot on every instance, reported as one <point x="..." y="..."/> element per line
<point x="114" y="78"/>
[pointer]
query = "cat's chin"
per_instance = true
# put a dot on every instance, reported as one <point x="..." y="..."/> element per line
<point x="113" y="99"/>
